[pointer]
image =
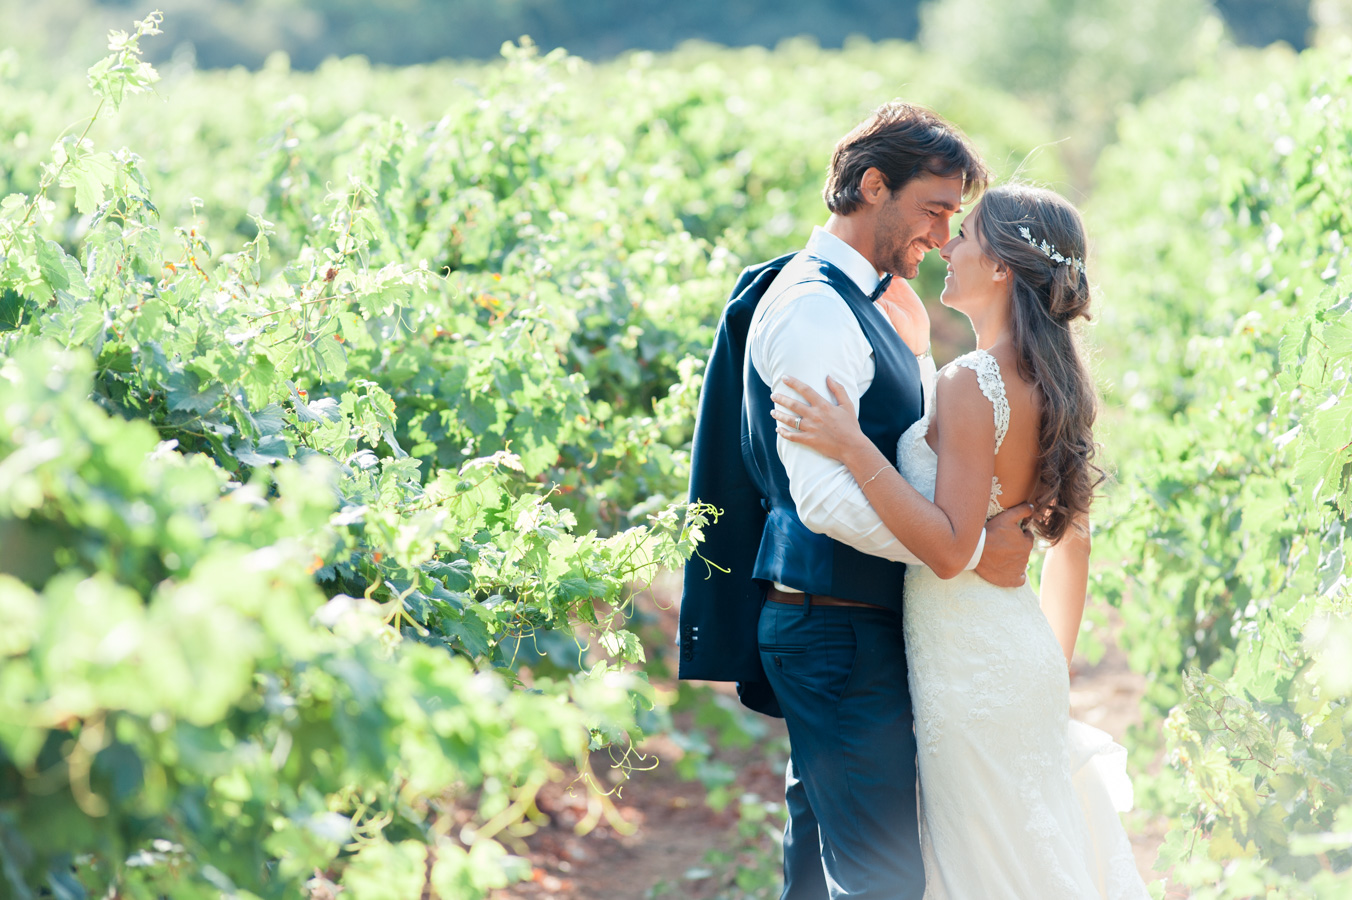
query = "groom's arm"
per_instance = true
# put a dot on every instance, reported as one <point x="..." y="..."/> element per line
<point x="809" y="337"/>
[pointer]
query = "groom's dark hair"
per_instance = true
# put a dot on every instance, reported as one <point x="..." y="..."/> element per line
<point x="901" y="140"/>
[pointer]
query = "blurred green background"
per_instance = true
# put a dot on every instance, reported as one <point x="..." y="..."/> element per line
<point x="223" y="33"/>
<point x="521" y="247"/>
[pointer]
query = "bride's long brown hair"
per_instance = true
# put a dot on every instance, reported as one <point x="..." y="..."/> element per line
<point x="1047" y="297"/>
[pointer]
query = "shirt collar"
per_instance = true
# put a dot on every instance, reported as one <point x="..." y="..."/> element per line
<point x="825" y="245"/>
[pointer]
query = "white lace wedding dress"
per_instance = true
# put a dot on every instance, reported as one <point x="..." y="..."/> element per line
<point x="1018" y="802"/>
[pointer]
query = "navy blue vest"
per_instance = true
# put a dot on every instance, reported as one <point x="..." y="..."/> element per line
<point x="789" y="553"/>
<point x="735" y="466"/>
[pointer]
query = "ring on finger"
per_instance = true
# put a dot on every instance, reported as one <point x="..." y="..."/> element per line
<point x="798" y="425"/>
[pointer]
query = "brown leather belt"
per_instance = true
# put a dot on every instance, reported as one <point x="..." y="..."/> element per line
<point x="795" y="599"/>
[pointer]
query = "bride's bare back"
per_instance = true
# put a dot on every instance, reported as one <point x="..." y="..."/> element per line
<point x="1016" y="465"/>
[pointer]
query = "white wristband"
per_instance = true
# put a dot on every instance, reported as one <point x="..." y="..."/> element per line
<point x="976" y="557"/>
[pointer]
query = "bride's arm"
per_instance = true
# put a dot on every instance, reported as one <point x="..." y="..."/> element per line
<point x="1065" y="580"/>
<point x="943" y="534"/>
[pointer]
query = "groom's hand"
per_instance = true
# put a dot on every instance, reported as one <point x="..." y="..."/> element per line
<point x="1004" y="561"/>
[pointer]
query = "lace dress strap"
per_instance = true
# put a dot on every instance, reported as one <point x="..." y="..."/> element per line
<point x="992" y="385"/>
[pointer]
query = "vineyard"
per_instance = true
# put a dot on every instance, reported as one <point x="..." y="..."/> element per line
<point x="345" y="414"/>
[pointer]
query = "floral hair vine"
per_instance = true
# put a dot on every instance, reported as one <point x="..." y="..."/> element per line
<point x="1051" y="252"/>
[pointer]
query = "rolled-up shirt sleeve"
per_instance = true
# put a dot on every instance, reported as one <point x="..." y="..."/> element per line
<point x="812" y="335"/>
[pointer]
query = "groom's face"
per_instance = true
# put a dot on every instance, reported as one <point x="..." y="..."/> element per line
<point x="914" y="220"/>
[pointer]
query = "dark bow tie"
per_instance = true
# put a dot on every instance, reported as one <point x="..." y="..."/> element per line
<point x="881" y="288"/>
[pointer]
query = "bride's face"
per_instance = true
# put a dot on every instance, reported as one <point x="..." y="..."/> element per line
<point x="974" y="279"/>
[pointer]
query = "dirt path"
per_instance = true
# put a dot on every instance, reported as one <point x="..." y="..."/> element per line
<point x="674" y="830"/>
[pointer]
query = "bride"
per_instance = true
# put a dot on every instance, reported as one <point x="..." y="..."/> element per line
<point x="1017" y="801"/>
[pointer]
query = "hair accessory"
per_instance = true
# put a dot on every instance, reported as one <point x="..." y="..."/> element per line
<point x="1051" y="252"/>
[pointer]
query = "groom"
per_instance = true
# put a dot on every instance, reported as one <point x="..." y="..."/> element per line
<point x="800" y="596"/>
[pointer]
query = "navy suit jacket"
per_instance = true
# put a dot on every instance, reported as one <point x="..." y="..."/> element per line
<point x="720" y="610"/>
<point x="758" y="537"/>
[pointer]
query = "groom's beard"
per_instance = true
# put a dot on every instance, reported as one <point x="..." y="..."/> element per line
<point x="901" y="246"/>
<point x="908" y="270"/>
<point x="904" y="261"/>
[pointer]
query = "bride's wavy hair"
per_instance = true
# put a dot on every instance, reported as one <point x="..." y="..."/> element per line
<point x="1047" y="297"/>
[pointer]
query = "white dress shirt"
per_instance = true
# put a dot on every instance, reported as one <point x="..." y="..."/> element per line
<point x="808" y="331"/>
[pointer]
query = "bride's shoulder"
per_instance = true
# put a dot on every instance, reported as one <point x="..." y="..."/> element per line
<point x="960" y="397"/>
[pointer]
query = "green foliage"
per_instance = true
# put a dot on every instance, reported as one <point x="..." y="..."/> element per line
<point x="753" y="861"/>
<point x="328" y="468"/>
<point x="248" y="639"/>
<point x="184" y="711"/>
<point x="1235" y="493"/>
<point x="619" y="249"/>
<point x="329" y="476"/>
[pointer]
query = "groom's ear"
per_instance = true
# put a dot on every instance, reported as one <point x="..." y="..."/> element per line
<point x="873" y="186"/>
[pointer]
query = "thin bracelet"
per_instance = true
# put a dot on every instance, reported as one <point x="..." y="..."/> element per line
<point x="876" y="474"/>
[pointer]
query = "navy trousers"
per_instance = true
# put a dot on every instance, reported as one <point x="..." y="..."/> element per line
<point x="839" y="673"/>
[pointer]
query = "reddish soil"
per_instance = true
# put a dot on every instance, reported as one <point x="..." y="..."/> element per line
<point x="673" y="829"/>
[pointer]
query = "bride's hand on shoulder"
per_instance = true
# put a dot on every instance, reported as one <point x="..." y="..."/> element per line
<point x="832" y="429"/>
<point x="905" y="309"/>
